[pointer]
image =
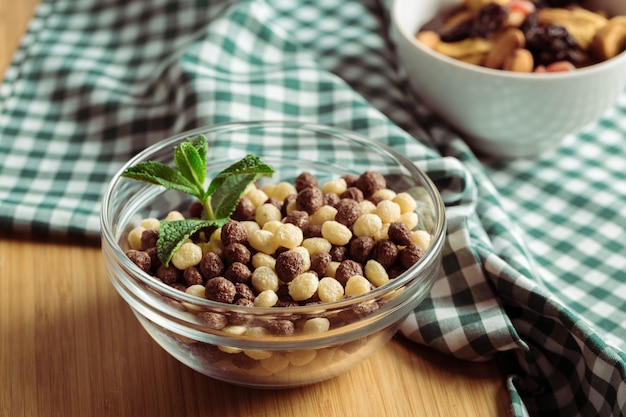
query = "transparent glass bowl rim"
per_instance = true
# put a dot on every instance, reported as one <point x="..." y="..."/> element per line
<point x="430" y="255"/>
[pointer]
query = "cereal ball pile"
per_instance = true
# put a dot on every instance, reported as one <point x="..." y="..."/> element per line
<point x="526" y="35"/>
<point x="288" y="245"/>
<point x="294" y="244"/>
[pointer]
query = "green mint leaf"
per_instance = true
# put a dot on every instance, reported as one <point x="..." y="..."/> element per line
<point x="190" y="158"/>
<point x="250" y="164"/>
<point x="160" y="174"/>
<point x="202" y="146"/>
<point x="224" y="200"/>
<point x="220" y="200"/>
<point x="174" y="233"/>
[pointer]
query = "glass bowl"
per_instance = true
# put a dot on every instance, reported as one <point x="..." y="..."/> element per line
<point x="244" y="352"/>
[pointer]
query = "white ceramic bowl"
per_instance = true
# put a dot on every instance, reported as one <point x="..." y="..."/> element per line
<point x="501" y="113"/>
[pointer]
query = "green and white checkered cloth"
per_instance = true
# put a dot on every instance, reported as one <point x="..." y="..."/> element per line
<point x="535" y="261"/>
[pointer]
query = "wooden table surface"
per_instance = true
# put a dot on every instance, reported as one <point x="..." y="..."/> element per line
<point x="69" y="346"/>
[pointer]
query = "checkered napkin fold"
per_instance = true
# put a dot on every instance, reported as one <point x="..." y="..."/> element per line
<point x="94" y="82"/>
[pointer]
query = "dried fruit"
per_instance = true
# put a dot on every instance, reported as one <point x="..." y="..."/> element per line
<point x="550" y="43"/>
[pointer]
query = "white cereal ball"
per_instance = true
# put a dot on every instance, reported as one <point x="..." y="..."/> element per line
<point x="264" y="278"/>
<point x="283" y="190"/>
<point x="336" y="233"/>
<point x="189" y="254"/>
<point x="257" y="354"/>
<point x="376" y="273"/>
<point x="367" y="225"/>
<point x="267" y="212"/>
<point x="357" y="285"/>
<point x="316" y="244"/>
<point x="306" y="257"/>
<point x="331" y="269"/>
<point x="410" y="219"/>
<point x="337" y="186"/>
<point x="174" y="215"/>
<point x="288" y="235"/>
<point x="303" y="286"/>
<point x="151" y="223"/>
<point x="316" y="325"/>
<point x="322" y="214"/>
<point x="422" y="238"/>
<point x="383" y="232"/>
<point x="291" y="206"/>
<point x="272" y="226"/>
<point x="196" y="290"/>
<point x="367" y="206"/>
<point x="406" y="202"/>
<point x="267" y="298"/>
<point x="301" y="357"/>
<point x="216" y="247"/>
<point x="385" y="194"/>
<point x="263" y="241"/>
<point x="256" y="196"/>
<point x="235" y="329"/>
<point x="260" y="259"/>
<point x="216" y="236"/>
<point x="388" y="211"/>
<point x="275" y="363"/>
<point x="230" y="349"/>
<point x="257" y="331"/>
<point x="250" y="226"/>
<point x="134" y="237"/>
<point x="329" y="290"/>
<point x="268" y="189"/>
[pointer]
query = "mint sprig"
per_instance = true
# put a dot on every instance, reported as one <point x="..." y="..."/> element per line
<point x="219" y="199"/>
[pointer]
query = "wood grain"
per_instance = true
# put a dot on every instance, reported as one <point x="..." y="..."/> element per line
<point x="70" y="346"/>
<point x="14" y="18"/>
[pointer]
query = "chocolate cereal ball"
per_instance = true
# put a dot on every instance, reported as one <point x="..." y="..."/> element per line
<point x="348" y="210"/>
<point x="289" y="264"/>
<point x="234" y="232"/>
<point x="220" y="289"/>
<point x="305" y="180"/>
<point x="310" y="199"/>
<point x="236" y="252"/>
<point x="369" y="182"/>
<point x="140" y="258"/>
<point x="410" y="255"/>
<point x="238" y="272"/>
<point x="149" y="239"/>
<point x="245" y="210"/>
<point x="399" y="233"/>
<point x="347" y="269"/>
<point x="319" y="263"/>
<point x="385" y="252"/>
<point x="299" y="218"/>
<point x="211" y="265"/>
<point x="361" y="248"/>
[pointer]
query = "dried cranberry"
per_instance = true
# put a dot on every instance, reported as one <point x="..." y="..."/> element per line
<point x="489" y="20"/>
<point x="550" y="42"/>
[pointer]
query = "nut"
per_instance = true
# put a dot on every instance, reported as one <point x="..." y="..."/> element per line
<point x="429" y="38"/>
<point x="520" y="60"/>
<point x="510" y="40"/>
<point x="515" y="18"/>
<point x="464" y="48"/>
<point x="476" y="5"/>
<point x="610" y="40"/>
